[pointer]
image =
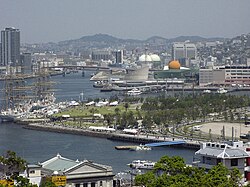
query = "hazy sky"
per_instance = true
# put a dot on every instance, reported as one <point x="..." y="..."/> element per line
<point x="57" y="20"/>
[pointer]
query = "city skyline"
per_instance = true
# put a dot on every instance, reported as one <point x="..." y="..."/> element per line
<point x="59" y="20"/>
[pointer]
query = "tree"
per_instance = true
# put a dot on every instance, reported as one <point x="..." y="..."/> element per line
<point x="47" y="182"/>
<point x="109" y="118"/>
<point x="126" y="105"/>
<point x="12" y="165"/>
<point x="173" y="172"/>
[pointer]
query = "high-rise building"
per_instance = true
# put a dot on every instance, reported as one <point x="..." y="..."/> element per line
<point x="99" y="55"/>
<point x="118" y="56"/>
<point x="25" y="59"/>
<point x="178" y="51"/>
<point x="10" y="47"/>
<point x="183" y="52"/>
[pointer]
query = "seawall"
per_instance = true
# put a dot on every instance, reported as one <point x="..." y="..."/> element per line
<point x="112" y="136"/>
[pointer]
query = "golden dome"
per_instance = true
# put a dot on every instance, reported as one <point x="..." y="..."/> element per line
<point x="175" y="64"/>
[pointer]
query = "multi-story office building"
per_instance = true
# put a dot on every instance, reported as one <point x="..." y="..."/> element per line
<point x="25" y="59"/>
<point x="225" y="75"/>
<point x="10" y="47"/>
<point x="118" y="56"/>
<point x="183" y="52"/>
<point x="178" y="51"/>
<point x="211" y="76"/>
<point x="190" y="51"/>
<point x="237" y="74"/>
<point x="100" y="55"/>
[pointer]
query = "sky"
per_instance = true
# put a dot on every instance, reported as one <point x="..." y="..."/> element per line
<point x="58" y="20"/>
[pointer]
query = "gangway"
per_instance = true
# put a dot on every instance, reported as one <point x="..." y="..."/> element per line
<point x="165" y="143"/>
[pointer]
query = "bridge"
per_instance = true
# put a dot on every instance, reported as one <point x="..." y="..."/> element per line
<point x="157" y="144"/>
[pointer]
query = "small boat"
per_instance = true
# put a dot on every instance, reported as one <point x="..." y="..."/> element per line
<point x="107" y="88"/>
<point x="142" y="164"/>
<point x="140" y="148"/>
<point x="100" y="84"/>
<point x="206" y="91"/>
<point x="221" y="91"/>
<point x="134" y="92"/>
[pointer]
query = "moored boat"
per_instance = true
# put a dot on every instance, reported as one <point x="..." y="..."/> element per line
<point x="140" y="148"/>
<point x="206" y="91"/>
<point x="221" y="91"/>
<point x="134" y="91"/>
<point x="142" y="164"/>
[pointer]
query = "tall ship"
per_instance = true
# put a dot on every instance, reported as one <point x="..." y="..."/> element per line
<point x="20" y="98"/>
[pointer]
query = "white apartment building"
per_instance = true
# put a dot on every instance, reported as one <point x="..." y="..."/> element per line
<point x="225" y="75"/>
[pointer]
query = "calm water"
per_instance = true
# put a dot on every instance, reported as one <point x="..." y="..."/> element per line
<point x="37" y="146"/>
<point x="72" y="85"/>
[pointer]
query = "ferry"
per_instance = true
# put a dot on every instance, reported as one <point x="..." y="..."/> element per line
<point x="142" y="164"/>
<point x="221" y="91"/>
<point x="206" y="91"/>
<point x="134" y="91"/>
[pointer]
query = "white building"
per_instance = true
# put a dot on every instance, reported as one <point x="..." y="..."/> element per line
<point x="225" y="75"/>
<point x="231" y="156"/>
<point x="237" y="74"/>
<point x="78" y="173"/>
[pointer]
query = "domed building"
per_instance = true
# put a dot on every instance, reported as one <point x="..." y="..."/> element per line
<point x="174" y="65"/>
<point x="145" y="58"/>
<point x="173" y="70"/>
<point x="155" y="58"/>
<point x="150" y="59"/>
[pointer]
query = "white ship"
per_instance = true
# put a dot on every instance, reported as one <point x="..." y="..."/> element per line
<point x="142" y="164"/>
<point x="221" y="91"/>
<point x="134" y="92"/>
<point x="206" y="91"/>
<point x="140" y="148"/>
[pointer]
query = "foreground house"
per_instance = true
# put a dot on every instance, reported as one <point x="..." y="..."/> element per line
<point x="232" y="155"/>
<point x="78" y="173"/>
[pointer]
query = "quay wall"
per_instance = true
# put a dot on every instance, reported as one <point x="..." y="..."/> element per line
<point x="66" y="130"/>
<point x="112" y="136"/>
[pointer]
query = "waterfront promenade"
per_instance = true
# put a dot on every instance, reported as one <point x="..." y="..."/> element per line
<point x="136" y="138"/>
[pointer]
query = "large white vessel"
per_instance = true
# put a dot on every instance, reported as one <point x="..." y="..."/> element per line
<point x="134" y="92"/>
<point x="206" y="91"/>
<point x="142" y="164"/>
<point x="221" y="91"/>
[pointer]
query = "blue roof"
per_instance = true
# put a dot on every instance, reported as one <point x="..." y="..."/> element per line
<point x="165" y="143"/>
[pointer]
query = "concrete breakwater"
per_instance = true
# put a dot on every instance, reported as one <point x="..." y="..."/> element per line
<point x="66" y="130"/>
<point x="140" y="138"/>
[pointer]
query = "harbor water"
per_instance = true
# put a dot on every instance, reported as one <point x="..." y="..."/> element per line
<point x="38" y="146"/>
